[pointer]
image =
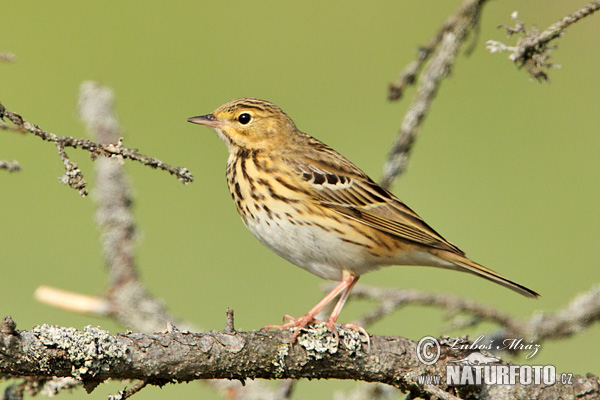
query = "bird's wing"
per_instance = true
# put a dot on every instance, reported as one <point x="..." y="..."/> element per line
<point x="339" y="185"/>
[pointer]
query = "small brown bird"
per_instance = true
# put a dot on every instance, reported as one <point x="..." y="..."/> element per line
<point x="310" y="205"/>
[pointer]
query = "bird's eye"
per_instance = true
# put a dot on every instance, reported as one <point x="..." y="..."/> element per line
<point x="244" y="118"/>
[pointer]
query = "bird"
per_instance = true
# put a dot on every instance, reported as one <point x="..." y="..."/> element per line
<point x="313" y="207"/>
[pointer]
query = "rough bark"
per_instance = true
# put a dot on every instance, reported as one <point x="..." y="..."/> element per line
<point x="94" y="355"/>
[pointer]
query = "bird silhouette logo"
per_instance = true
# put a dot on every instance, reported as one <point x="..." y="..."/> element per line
<point x="476" y="358"/>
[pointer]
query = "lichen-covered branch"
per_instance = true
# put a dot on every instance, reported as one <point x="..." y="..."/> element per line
<point x="436" y="60"/>
<point x="114" y="150"/>
<point x="93" y="355"/>
<point x="533" y="49"/>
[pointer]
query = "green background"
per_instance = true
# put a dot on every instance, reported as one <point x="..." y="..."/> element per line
<point x="506" y="168"/>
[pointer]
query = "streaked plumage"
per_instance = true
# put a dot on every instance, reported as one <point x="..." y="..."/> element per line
<point x="313" y="207"/>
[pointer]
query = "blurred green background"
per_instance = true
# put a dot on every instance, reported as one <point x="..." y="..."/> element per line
<point x="506" y="168"/>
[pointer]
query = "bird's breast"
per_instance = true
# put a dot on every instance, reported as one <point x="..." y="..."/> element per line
<point x="286" y="219"/>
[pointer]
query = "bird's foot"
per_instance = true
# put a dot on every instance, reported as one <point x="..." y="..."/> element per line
<point x="298" y="324"/>
<point x="360" y="330"/>
<point x="301" y="323"/>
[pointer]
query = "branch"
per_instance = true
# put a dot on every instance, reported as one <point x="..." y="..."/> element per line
<point x="127" y="300"/>
<point x="441" y="52"/>
<point x="73" y="175"/>
<point x="93" y="355"/>
<point x="581" y="313"/>
<point x="532" y="50"/>
<point x="131" y="304"/>
<point x="391" y="300"/>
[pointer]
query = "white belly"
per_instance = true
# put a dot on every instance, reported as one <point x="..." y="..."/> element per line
<point x="311" y="248"/>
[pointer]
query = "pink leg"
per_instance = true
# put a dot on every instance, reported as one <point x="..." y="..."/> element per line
<point x="338" y="309"/>
<point x="344" y="286"/>
<point x="342" y="300"/>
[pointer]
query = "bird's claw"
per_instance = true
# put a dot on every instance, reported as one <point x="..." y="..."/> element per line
<point x="298" y="323"/>
<point x="301" y="323"/>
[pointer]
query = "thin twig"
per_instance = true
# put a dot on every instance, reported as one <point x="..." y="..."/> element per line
<point x="533" y="50"/>
<point x="112" y="194"/>
<point x="127" y="393"/>
<point x="581" y="313"/>
<point x="131" y="304"/>
<point x="578" y="315"/>
<point x="411" y="71"/>
<point x="111" y="150"/>
<point x="229" y="323"/>
<point x="70" y="301"/>
<point x="390" y="300"/>
<point x="73" y="175"/>
<point x="440" y="53"/>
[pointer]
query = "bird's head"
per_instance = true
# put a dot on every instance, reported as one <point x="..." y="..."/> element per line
<point x="249" y="123"/>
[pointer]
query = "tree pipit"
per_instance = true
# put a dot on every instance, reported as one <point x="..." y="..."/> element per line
<point x="310" y="205"/>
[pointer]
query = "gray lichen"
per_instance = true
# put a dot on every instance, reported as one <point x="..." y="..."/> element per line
<point x="90" y="351"/>
<point x="279" y="362"/>
<point x="320" y="341"/>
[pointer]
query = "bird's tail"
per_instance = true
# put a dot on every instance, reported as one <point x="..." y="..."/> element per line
<point x="464" y="264"/>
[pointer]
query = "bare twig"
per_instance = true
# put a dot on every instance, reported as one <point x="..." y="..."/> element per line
<point x="130" y="302"/>
<point x="440" y="53"/>
<point x="581" y="313"/>
<point x="73" y="175"/>
<point x="469" y="10"/>
<point x="127" y="393"/>
<point x="390" y="300"/>
<point x="229" y="324"/>
<point x="110" y="150"/>
<point x="70" y="301"/>
<point x="112" y="195"/>
<point x="10" y="166"/>
<point x="532" y="50"/>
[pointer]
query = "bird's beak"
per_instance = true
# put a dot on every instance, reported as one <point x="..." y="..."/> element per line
<point x="208" y="120"/>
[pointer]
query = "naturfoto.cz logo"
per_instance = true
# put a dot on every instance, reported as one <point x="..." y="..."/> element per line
<point x="477" y="368"/>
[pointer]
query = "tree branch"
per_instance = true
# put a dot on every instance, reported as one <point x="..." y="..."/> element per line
<point x="73" y="175"/>
<point x="533" y="49"/>
<point x="93" y="355"/>
<point x="441" y="52"/>
<point x="581" y="313"/>
<point x="126" y="299"/>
